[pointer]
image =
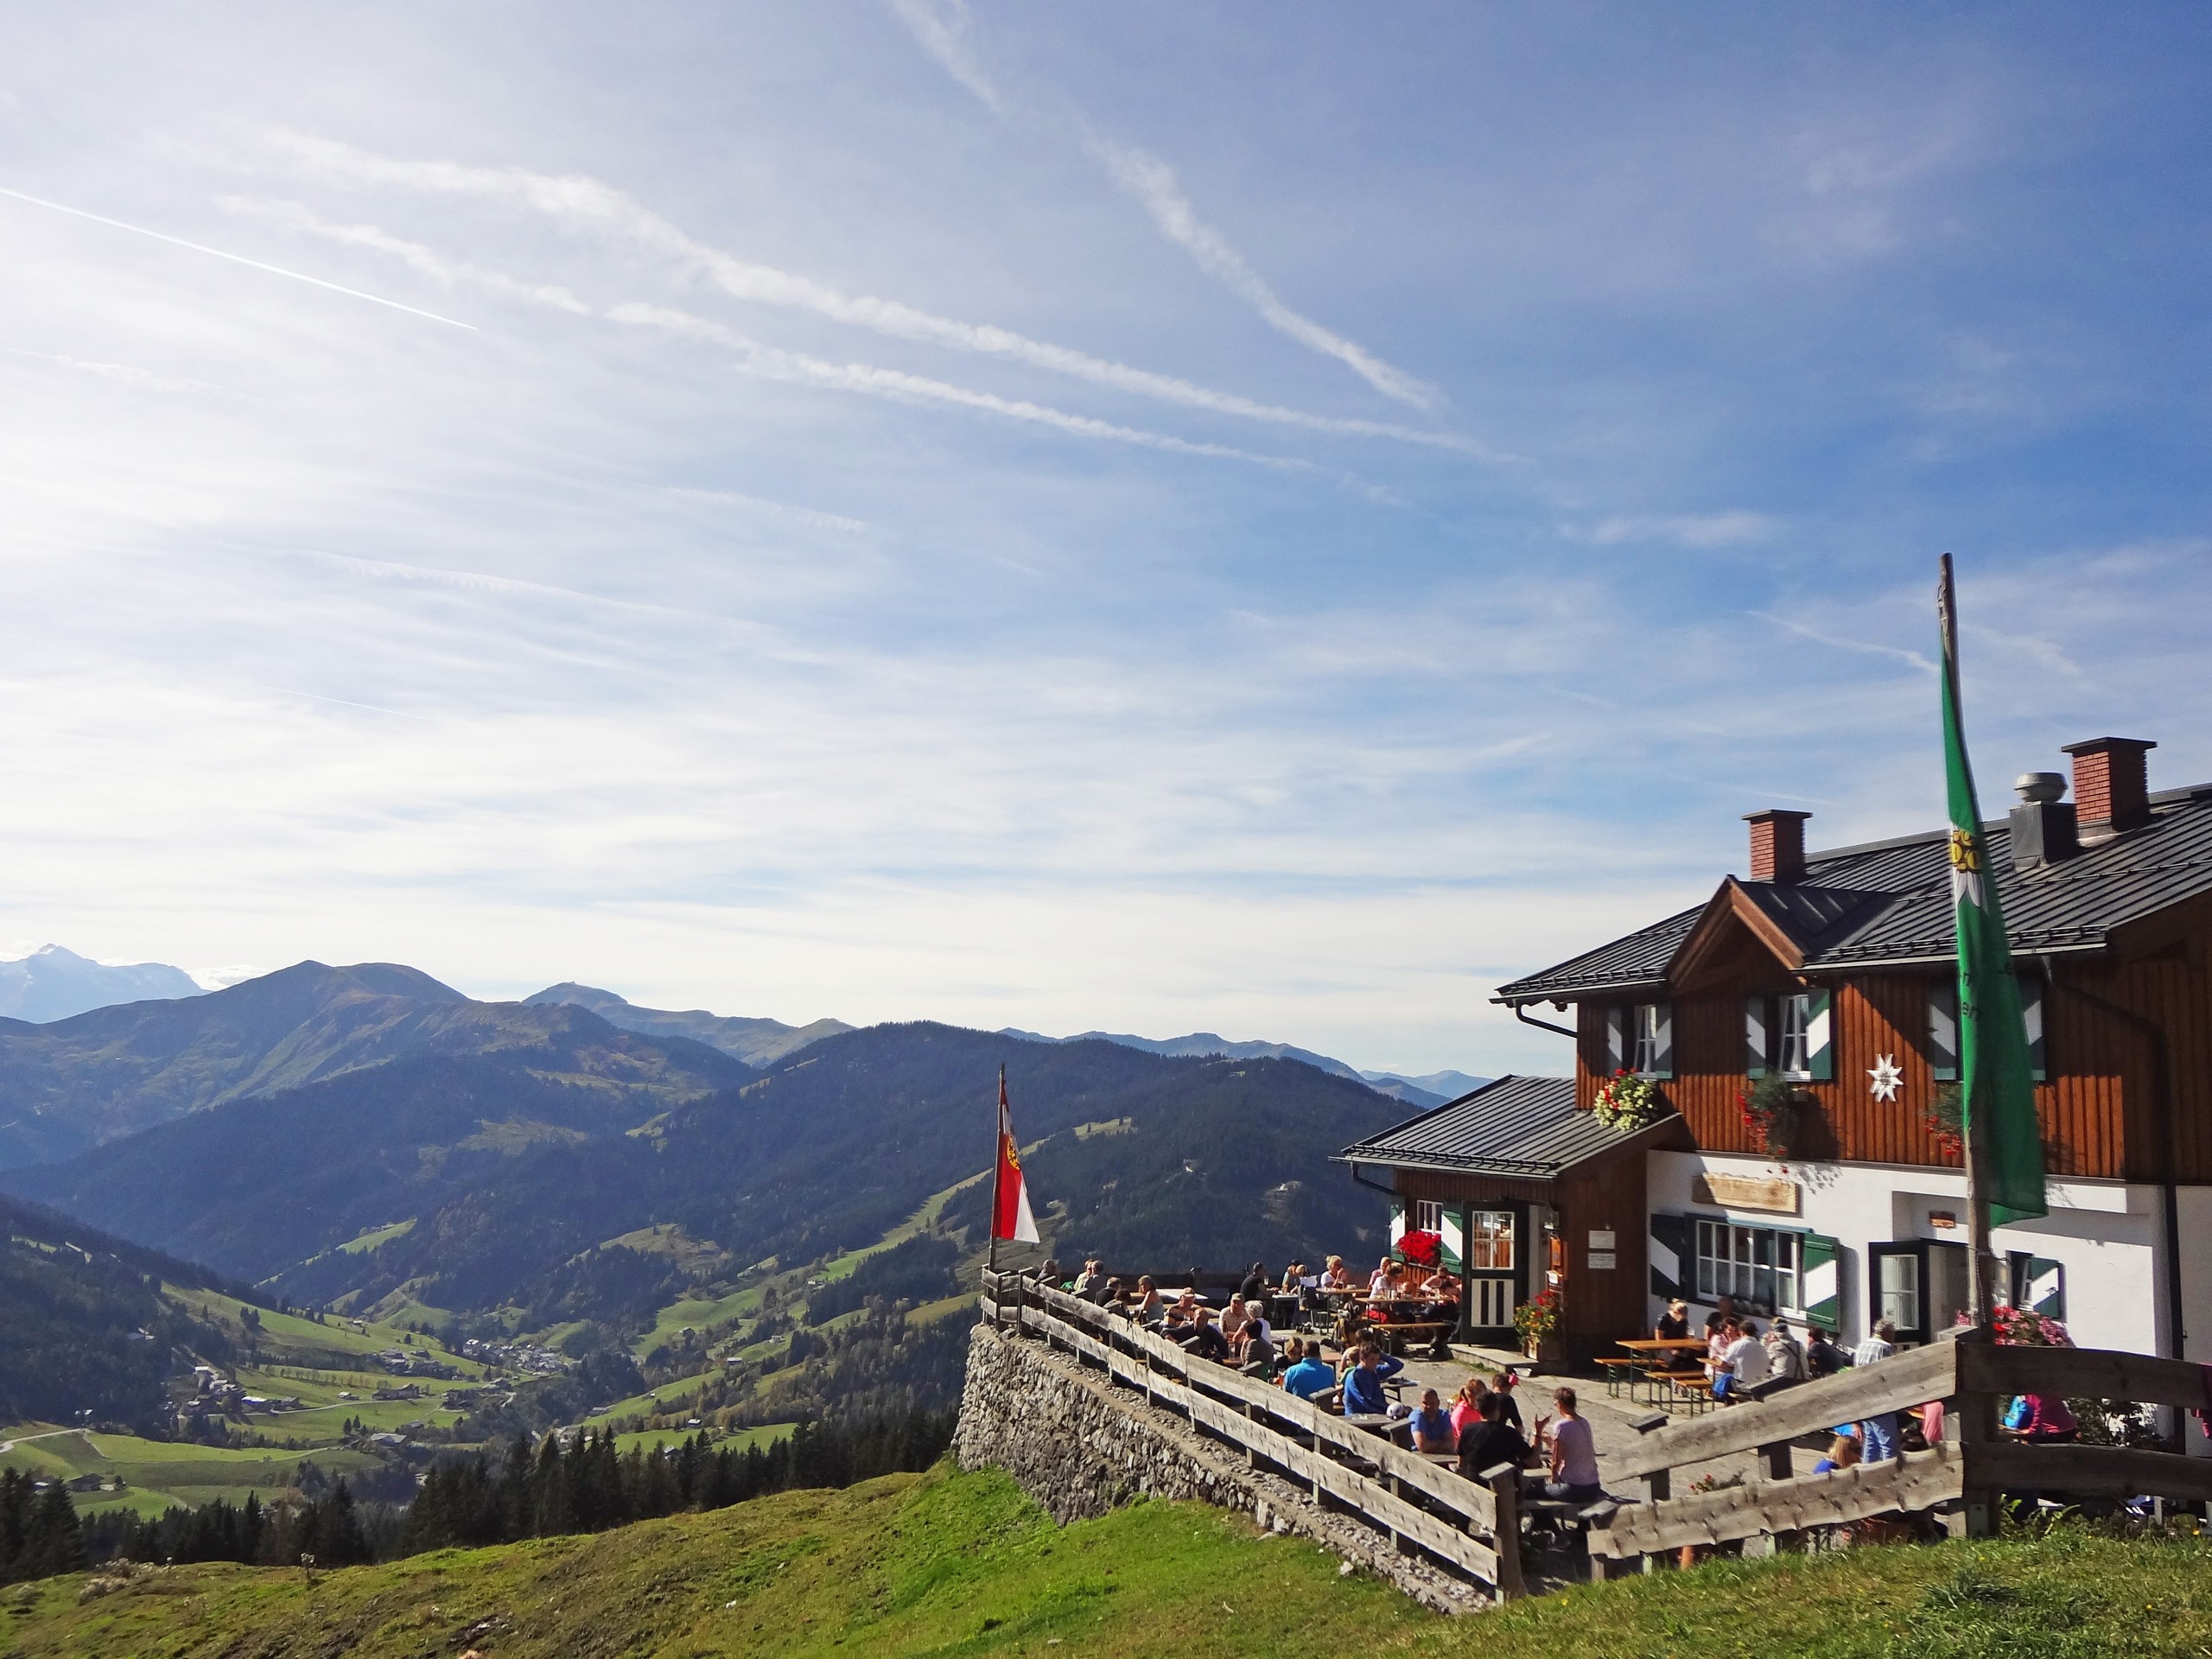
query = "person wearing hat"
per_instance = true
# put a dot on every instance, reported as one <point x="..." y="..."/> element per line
<point x="1673" y="1325"/>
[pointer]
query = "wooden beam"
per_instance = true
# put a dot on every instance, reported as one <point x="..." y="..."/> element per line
<point x="1907" y="1379"/>
<point x="2098" y="1373"/>
<point x="1918" y="1480"/>
<point x="2108" y="1470"/>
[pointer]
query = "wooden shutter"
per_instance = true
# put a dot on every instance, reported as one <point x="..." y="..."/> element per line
<point x="1616" y="1038"/>
<point x="2031" y="1014"/>
<point x="1451" y="1255"/>
<point x="1667" y="1251"/>
<point x="1821" y="1277"/>
<point x="1398" y="1223"/>
<point x="1663" y="1047"/>
<point x="1943" y="1030"/>
<point x="1820" y="1045"/>
<point x="1755" y="1025"/>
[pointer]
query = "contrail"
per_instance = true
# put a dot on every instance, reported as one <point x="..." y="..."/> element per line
<point x="588" y="203"/>
<point x="236" y="258"/>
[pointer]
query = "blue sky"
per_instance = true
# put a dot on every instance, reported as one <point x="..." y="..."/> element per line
<point x="1143" y="516"/>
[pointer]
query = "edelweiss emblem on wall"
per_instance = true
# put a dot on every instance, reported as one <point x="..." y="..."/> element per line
<point x="1887" y="1076"/>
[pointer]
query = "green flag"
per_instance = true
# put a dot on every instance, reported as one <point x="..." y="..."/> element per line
<point x="1996" y="1080"/>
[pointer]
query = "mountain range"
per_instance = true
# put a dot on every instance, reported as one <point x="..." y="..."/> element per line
<point x="369" y="1138"/>
<point x="755" y="1041"/>
<point x="74" y="1083"/>
<point x="52" y="983"/>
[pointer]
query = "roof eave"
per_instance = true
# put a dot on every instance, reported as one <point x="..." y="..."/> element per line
<point x="1513" y="997"/>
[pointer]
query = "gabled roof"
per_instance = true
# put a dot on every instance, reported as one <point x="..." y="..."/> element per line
<point x="1889" y="902"/>
<point x="1522" y="1127"/>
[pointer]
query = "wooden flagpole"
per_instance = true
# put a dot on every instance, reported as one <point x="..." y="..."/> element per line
<point x="1981" y="1258"/>
<point x="998" y="1163"/>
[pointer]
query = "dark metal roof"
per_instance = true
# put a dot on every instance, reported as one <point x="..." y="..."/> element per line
<point x="1525" y="1126"/>
<point x="1890" y="901"/>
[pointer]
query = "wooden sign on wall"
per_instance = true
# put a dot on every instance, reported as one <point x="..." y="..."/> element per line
<point x="1776" y="1195"/>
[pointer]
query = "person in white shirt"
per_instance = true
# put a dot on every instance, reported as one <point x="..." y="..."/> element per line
<point x="1743" y="1362"/>
<point x="1787" y="1358"/>
<point x="1878" y="1436"/>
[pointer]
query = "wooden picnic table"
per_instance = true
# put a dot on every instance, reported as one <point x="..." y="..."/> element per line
<point x="1663" y="1345"/>
<point x="1388" y="1425"/>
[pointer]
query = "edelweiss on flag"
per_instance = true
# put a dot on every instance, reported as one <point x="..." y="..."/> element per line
<point x="1010" y="1215"/>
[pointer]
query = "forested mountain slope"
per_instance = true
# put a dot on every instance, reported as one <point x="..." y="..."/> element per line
<point x="507" y="1176"/>
<point x="80" y="1082"/>
<point x="86" y="1327"/>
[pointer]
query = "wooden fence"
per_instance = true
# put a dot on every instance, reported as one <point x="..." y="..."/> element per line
<point x="1471" y="1526"/>
<point x="1965" y="1475"/>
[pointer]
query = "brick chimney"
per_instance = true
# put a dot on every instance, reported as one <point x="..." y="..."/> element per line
<point x="2111" y="787"/>
<point x="1778" y="844"/>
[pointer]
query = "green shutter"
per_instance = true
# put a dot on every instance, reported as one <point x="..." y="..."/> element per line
<point x="1823" y="1280"/>
<point x="1450" y="1254"/>
<point x="1943" y="1030"/>
<point x="1754" y="1026"/>
<point x="1819" y="1040"/>
<point x="1669" y="1254"/>
<point x="1616" y="1039"/>
<point x="1662" y="1057"/>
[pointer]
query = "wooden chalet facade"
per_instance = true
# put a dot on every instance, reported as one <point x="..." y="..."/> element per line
<point x="1835" y="973"/>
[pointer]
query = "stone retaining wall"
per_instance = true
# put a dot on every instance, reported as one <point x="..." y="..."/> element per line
<point x="1081" y="1446"/>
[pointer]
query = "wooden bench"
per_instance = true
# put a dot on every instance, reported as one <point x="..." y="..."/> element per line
<point x="1619" y="1371"/>
<point x="1693" y="1389"/>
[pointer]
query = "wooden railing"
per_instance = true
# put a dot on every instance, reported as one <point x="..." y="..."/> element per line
<point x="1472" y="1526"/>
<point x="1965" y="1474"/>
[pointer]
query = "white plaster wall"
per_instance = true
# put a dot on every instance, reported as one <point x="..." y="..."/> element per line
<point x="2105" y="1233"/>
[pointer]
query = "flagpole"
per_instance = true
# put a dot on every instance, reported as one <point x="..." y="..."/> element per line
<point x="998" y="1165"/>
<point x="1981" y="1259"/>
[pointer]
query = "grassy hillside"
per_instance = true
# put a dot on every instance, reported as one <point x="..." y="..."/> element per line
<point x="945" y="1563"/>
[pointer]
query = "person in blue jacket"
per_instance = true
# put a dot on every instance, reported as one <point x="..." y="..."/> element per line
<point x="1363" y="1395"/>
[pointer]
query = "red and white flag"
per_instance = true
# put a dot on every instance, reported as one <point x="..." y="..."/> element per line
<point x="1010" y="1215"/>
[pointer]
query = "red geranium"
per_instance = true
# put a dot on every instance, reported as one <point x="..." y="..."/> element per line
<point x="1422" y="1250"/>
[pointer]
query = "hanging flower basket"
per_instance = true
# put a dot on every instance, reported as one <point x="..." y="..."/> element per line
<point x="1777" y="1116"/>
<point x="1946" y="1120"/>
<point x="1423" y="1250"/>
<point x="1627" y="1102"/>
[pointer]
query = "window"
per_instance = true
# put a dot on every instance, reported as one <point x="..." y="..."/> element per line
<point x="1943" y="1028"/>
<point x="1790" y="1053"/>
<point x="1802" y="1049"/>
<point x="2038" y="1285"/>
<point x="1647" y="1037"/>
<point x="1943" y="1031"/>
<point x="1489" y="1240"/>
<point x="1428" y="1216"/>
<point x="1640" y="1039"/>
<point x="1760" y="1266"/>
